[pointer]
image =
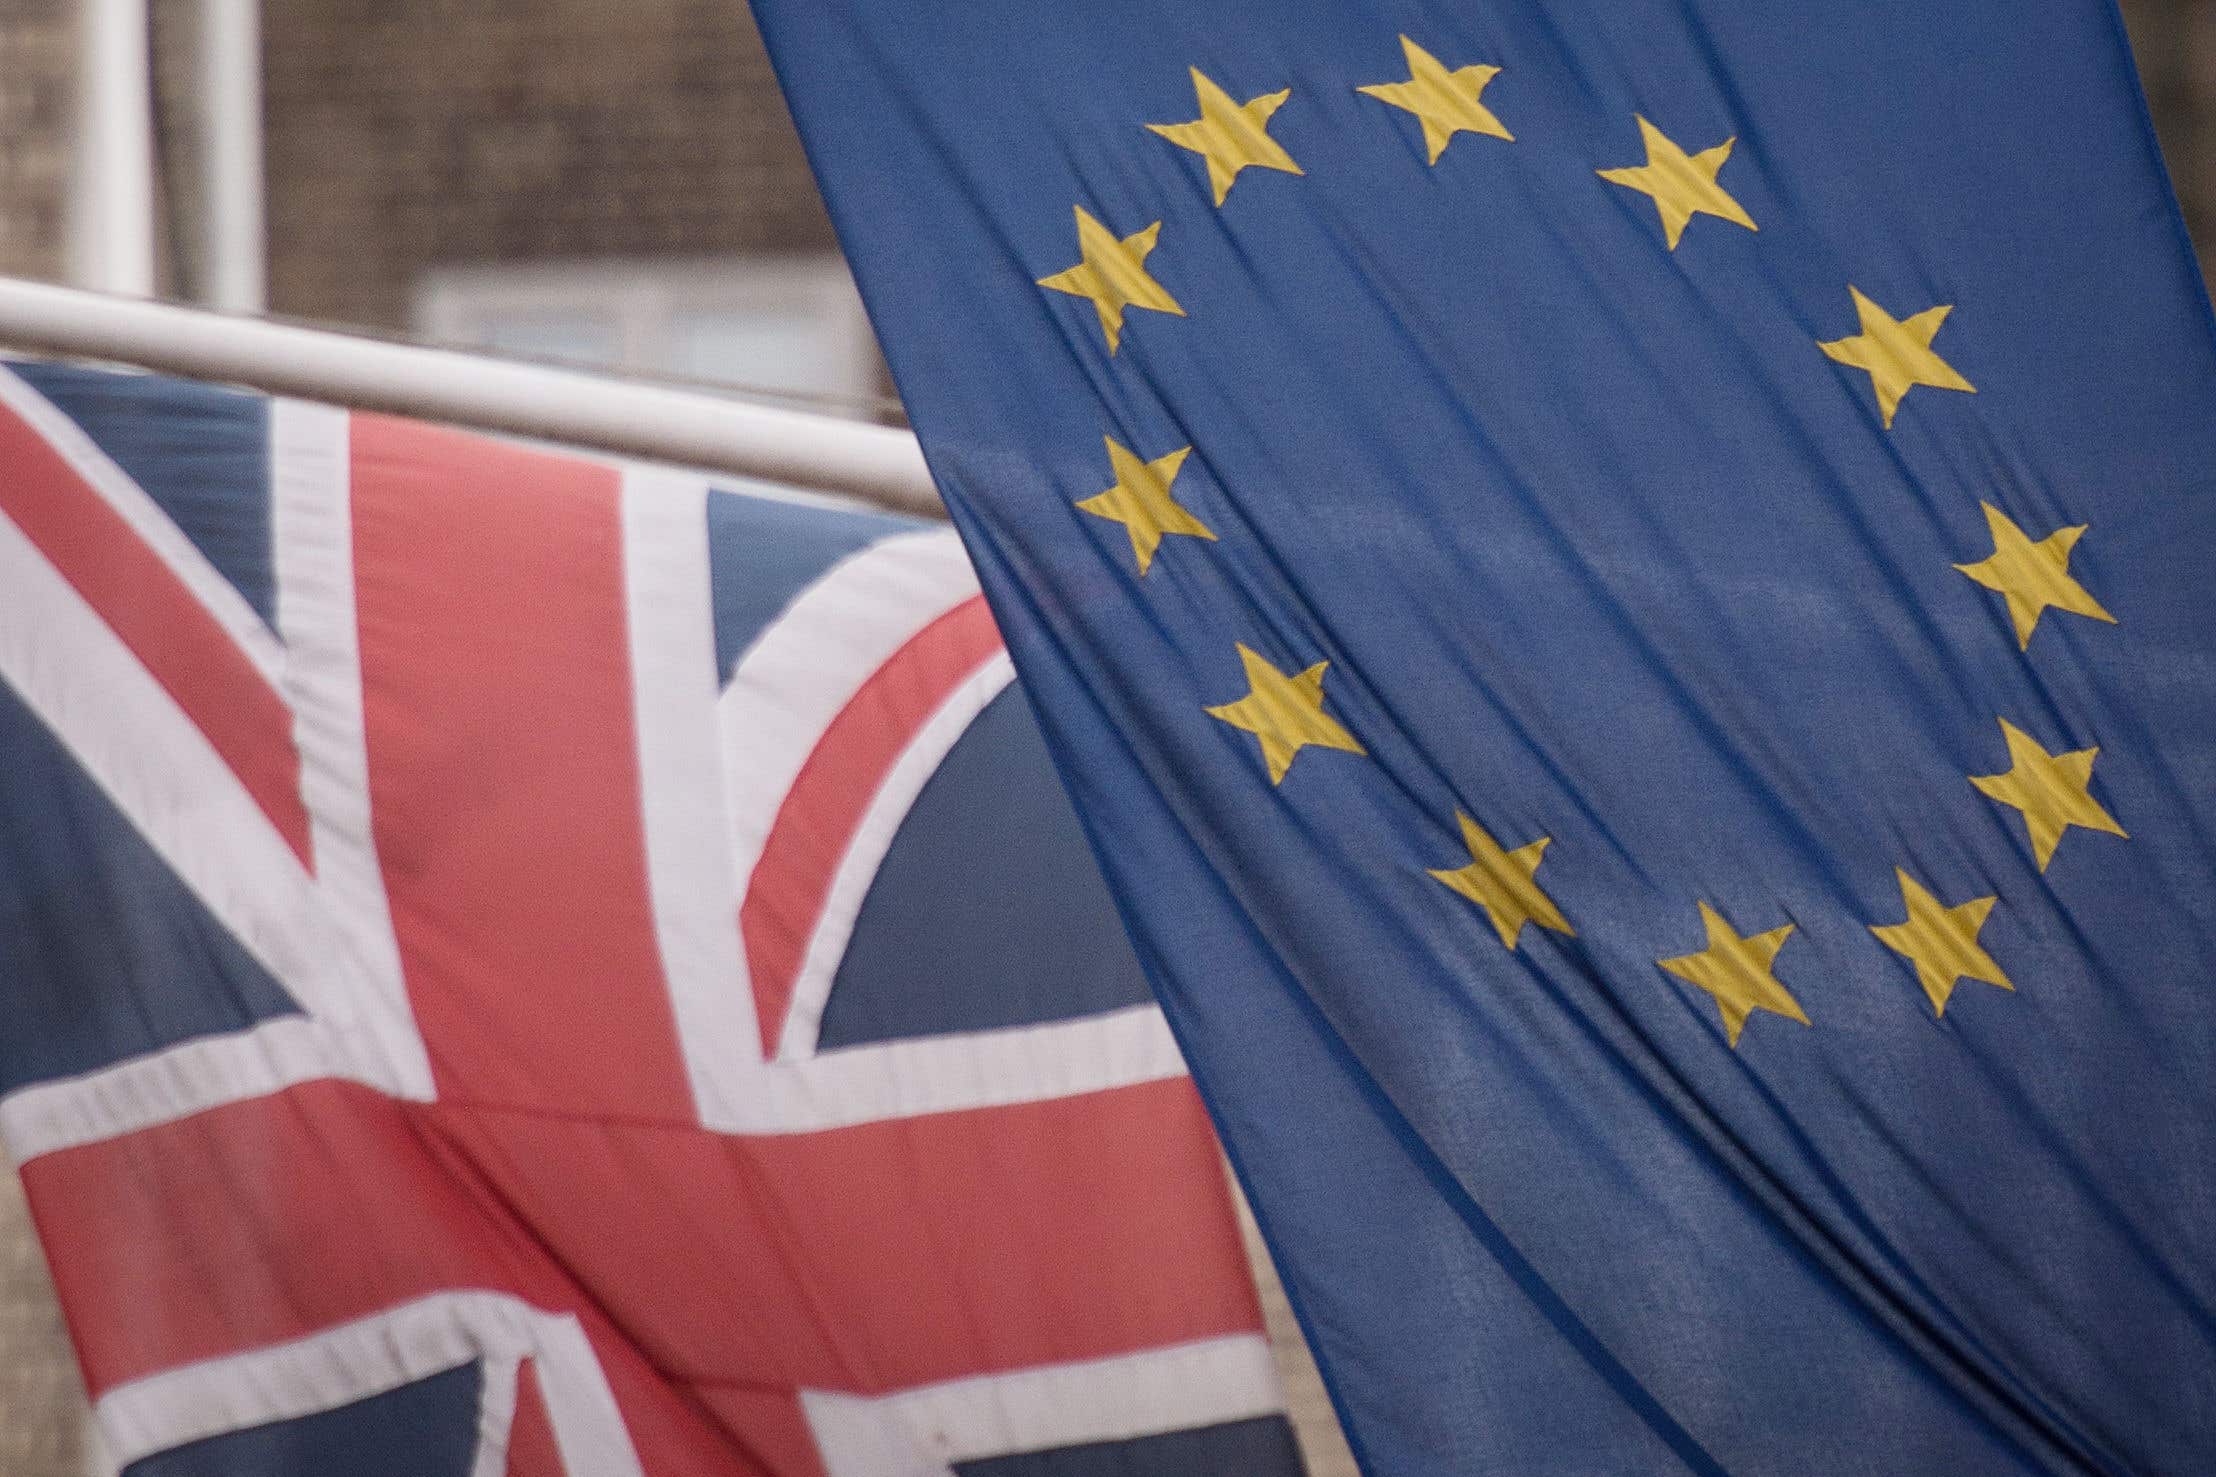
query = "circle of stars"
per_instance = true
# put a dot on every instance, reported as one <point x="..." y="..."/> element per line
<point x="1287" y="713"/>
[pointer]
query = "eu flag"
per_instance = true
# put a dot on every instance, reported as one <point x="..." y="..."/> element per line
<point x="1624" y="591"/>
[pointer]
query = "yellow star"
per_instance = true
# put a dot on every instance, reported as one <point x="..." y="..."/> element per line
<point x="1897" y="353"/>
<point x="1683" y="185"/>
<point x="1447" y="102"/>
<point x="2050" y="789"/>
<point x="1113" y="275"/>
<point x="1141" y="501"/>
<point x="1737" y="971"/>
<point x="1941" y="942"/>
<point x="2032" y="576"/>
<point x="1501" y="882"/>
<point x="1230" y="136"/>
<point x="1285" y="713"/>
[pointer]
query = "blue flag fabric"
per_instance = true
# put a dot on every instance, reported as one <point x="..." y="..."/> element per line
<point x="1624" y="593"/>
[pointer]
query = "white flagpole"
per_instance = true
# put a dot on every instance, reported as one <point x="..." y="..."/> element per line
<point x="652" y="422"/>
<point x="111" y="217"/>
<point x="231" y="154"/>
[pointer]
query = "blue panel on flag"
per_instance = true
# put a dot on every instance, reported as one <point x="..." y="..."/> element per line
<point x="427" y="1429"/>
<point x="763" y="551"/>
<point x="104" y="954"/>
<point x="200" y="452"/>
<point x="990" y="893"/>
<point x="1264" y="1445"/>
<point x="1623" y="591"/>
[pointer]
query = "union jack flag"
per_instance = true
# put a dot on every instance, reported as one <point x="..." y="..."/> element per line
<point x="516" y="964"/>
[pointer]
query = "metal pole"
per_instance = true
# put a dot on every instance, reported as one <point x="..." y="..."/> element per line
<point x="231" y="154"/>
<point x="111" y="236"/>
<point x="793" y="447"/>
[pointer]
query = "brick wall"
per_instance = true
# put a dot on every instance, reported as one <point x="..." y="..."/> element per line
<point x="406" y="134"/>
<point x="37" y="38"/>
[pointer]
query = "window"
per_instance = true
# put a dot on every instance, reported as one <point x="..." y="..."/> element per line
<point x="793" y="324"/>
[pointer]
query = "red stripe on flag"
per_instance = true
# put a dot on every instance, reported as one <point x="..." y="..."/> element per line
<point x="267" y="1221"/>
<point x="833" y="790"/>
<point x="863" y="1259"/>
<point x="504" y="771"/>
<point x="888" y="1254"/>
<point x="257" y="1223"/>
<point x="159" y="618"/>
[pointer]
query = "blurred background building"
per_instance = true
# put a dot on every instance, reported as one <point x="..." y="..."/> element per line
<point x="610" y="182"/>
